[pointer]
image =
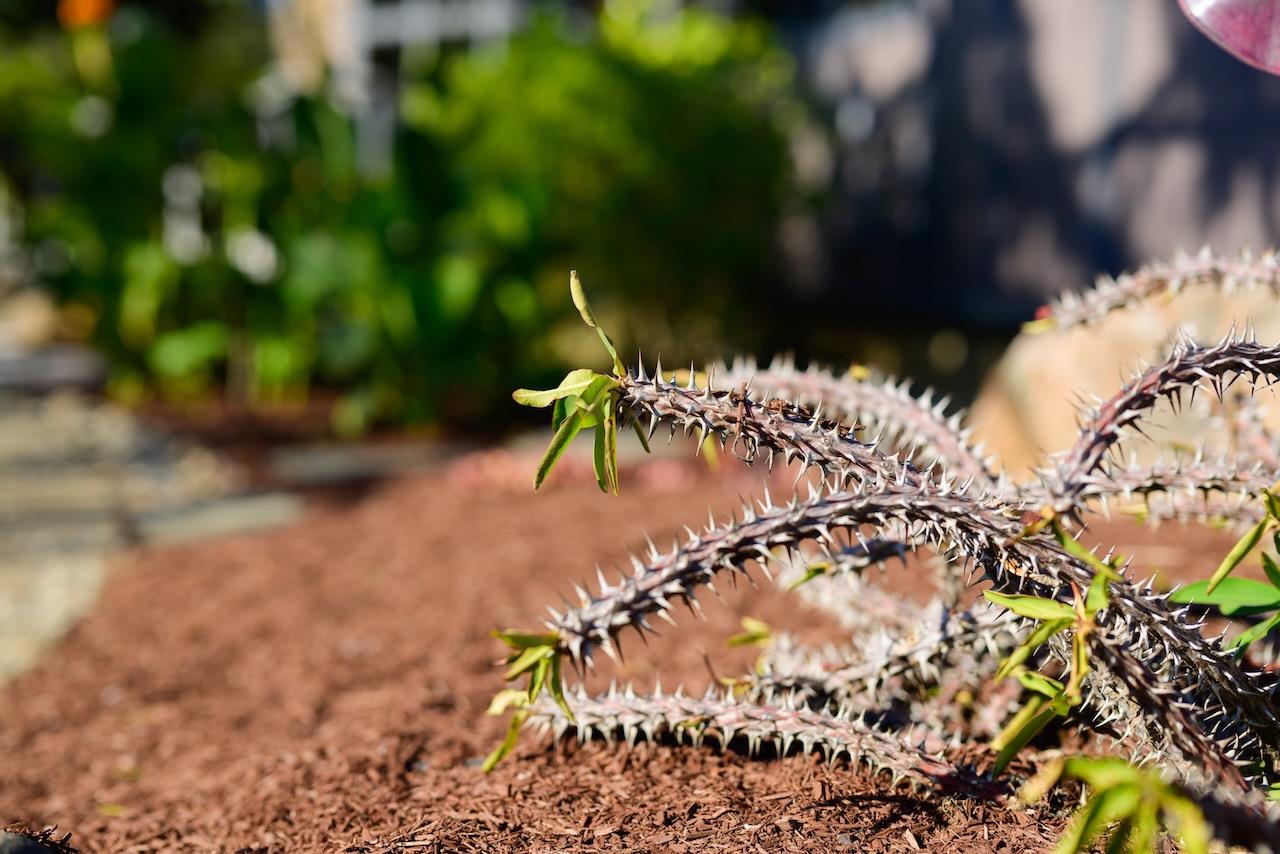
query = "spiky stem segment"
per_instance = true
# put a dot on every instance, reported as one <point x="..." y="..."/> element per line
<point x="1196" y="489"/>
<point x="1187" y="369"/>
<point x="751" y="429"/>
<point x="887" y="409"/>
<point x="1246" y="272"/>
<point x="932" y="514"/>
<point x="1162" y="703"/>
<point x="780" y="725"/>
<point x="972" y="641"/>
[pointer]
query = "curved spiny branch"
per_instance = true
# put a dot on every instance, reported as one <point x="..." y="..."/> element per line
<point x="1187" y="369"/>
<point x="780" y="725"/>
<point x="1245" y="272"/>
<point x="917" y="425"/>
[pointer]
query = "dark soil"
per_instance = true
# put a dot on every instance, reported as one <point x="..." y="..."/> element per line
<point x="323" y="688"/>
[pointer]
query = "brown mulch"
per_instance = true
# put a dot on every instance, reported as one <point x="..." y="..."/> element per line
<point x="323" y="688"/>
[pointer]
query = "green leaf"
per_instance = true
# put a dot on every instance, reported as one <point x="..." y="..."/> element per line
<point x="1271" y="569"/>
<point x="1032" y="718"/>
<point x="584" y="309"/>
<point x="1254" y="633"/>
<point x="517" y="639"/>
<point x="1072" y="546"/>
<point x="1239" y="552"/>
<point x="563" y="436"/>
<point x="1188" y="823"/>
<point x="1079" y="667"/>
<point x="1102" y="809"/>
<point x="528" y="660"/>
<point x="508" y="743"/>
<point x="556" y="685"/>
<point x="1103" y="772"/>
<point x="574" y="383"/>
<point x="1273" y="504"/>
<point x="560" y="411"/>
<point x="1042" y="633"/>
<point x="1231" y="596"/>
<point x="599" y="461"/>
<point x="812" y="571"/>
<point x="610" y="429"/>
<point x="1033" y="607"/>
<point x="1099" y="596"/>
<point x="1041" y="684"/>
<point x="507" y="698"/>
<point x="755" y="633"/>
<point x="538" y="676"/>
<point x="644" y="440"/>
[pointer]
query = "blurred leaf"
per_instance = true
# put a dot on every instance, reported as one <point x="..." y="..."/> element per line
<point x="1232" y="595"/>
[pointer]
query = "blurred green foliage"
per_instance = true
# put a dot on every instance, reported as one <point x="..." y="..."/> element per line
<point x="217" y="237"/>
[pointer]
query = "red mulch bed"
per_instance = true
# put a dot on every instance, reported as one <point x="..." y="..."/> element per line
<point x="323" y="687"/>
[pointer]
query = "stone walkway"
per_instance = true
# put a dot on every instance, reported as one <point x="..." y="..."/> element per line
<point x="80" y="480"/>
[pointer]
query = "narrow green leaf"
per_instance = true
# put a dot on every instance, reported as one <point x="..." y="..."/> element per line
<point x="1041" y="684"/>
<point x="1238" y="553"/>
<point x="517" y="639"/>
<point x="505" y="699"/>
<point x="1079" y="667"/>
<point x="1073" y="548"/>
<point x="1044" y="780"/>
<point x="1145" y="828"/>
<point x="539" y="676"/>
<point x="527" y="660"/>
<point x="599" y="462"/>
<point x="1231" y="596"/>
<point x="1271" y="569"/>
<point x="1273" y="504"/>
<point x="1016" y="739"/>
<point x="563" y="436"/>
<point x="560" y="411"/>
<point x="556" y="684"/>
<point x="1099" y="596"/>
<point x="508" y="743"/>
<point x="610" y="429"/>
<point x="1103" y="772"/>
<point x="1042" y="633"/>
<point x="1102" y="809"/>
<point x="1254" y="633"/>
<point x="755" y="633"/>
<point x="575" y="382"/>
<point x="644" y="440"/>
<point x="1033" y="607"/>
<point x="588" y="317"/>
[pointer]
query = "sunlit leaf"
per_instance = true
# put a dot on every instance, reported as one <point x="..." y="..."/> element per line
<point x="1271" y="569"/>
<point x="574" y="383"/>
<point x="1238" y="553"/>
<point x="508" y="742"/>
<point x="584" y="309"/>
<point x="1231" y="596"/>
<point x="1041" y="684"/>
<point x="1042" y="633"/>
<point x="1103" y="772"/>
<point x="559" y="442"/>
<point x="1254" y="633"/>
<point x="1029" y="721"/>
<point x="1033" y="607"/>
<point x="755" y="633"/>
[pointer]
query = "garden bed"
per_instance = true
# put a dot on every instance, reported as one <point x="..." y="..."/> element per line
<point x="323" y="687"/>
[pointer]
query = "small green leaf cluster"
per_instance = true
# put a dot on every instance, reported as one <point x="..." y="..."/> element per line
<point x="1243" y="597"/>
<point x="1136" y="800"/>
<point x="1050" y="698"/>
<point x="584" y="399"/>
<point x="539" y="656"/>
